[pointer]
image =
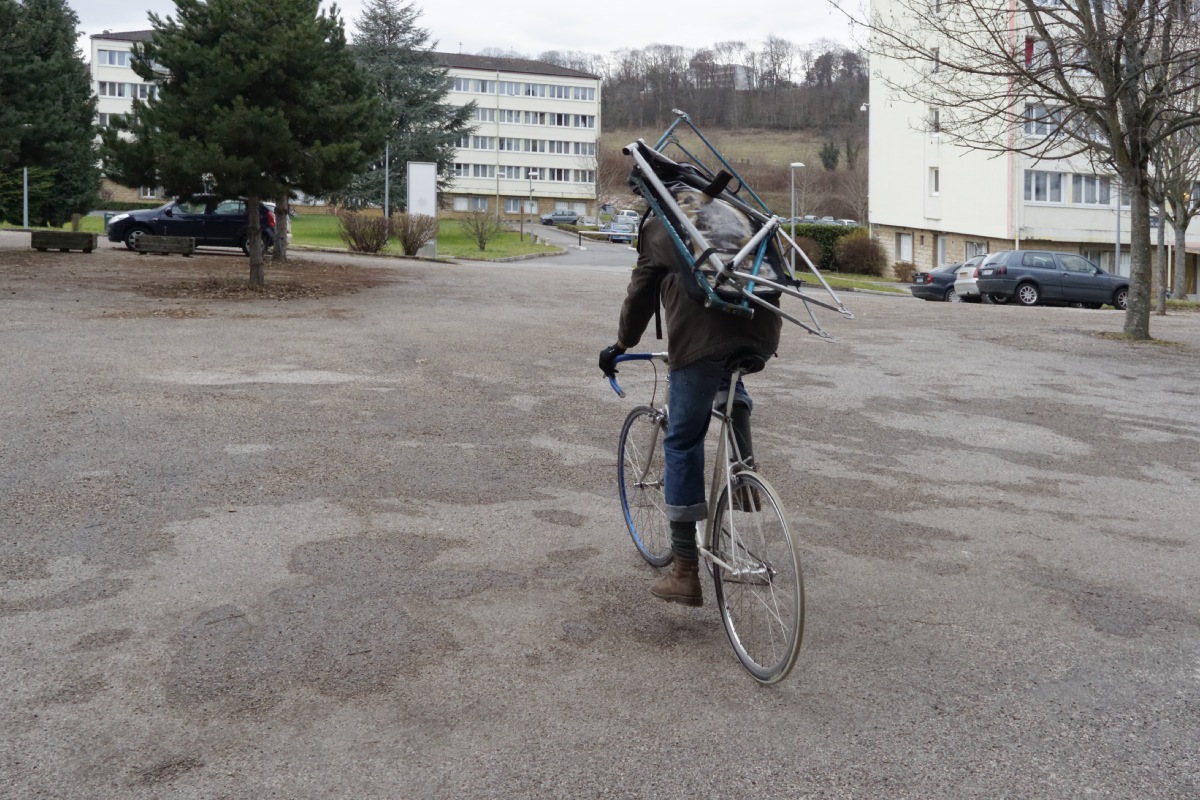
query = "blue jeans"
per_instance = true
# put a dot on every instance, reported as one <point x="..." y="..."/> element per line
<point x="693" y="390"/>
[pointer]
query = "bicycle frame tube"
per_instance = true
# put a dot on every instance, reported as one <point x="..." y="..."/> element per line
<point x="723" y="467"/>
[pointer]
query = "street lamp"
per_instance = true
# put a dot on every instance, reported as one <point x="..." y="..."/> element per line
<point x="793" y="167"/>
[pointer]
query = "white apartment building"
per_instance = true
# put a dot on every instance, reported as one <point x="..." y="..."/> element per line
<point x="535" y="145"/>
<point x="934" y="203"/>
<point x="116" y="84"/>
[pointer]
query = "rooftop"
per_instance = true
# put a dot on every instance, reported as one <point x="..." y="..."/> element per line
<point x="493" y="64"/>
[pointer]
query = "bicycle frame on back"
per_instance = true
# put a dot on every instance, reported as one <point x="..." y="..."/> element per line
<point x="743" y="271"/>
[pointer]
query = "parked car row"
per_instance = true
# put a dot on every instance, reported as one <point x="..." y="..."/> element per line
<point x="1025" y="277"/>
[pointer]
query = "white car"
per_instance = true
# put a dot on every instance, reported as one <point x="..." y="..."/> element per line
<point x="964" y="280"/>
<point x="627" y="215"/>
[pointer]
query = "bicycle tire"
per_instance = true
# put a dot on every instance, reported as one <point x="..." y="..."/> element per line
<point x="640" y="479"/>
<point x="762" y="600"/>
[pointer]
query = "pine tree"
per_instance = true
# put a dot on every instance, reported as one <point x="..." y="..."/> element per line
<point x="47" y="109"/>
<point x="256" y="98"/>
<point x="412" y="87"/>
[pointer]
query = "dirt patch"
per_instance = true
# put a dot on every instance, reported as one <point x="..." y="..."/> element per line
<point x="207" y="276"/>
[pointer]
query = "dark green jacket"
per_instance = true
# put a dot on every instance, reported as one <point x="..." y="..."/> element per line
<point x="693" y="331"/>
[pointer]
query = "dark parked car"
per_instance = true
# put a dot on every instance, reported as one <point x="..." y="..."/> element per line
<point x="212" y="221"/>
<point x="1030" y="277"/>
<point x="560" y="217"/>
<point x="938" y="284"/>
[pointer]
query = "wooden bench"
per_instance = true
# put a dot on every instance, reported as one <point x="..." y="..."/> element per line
<point x="165" y="245"/>
<point x="63" y="241"/>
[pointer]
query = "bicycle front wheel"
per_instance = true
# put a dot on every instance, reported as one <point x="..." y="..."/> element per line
<point x="759" y="589"/>
<point x="640" y="477"/>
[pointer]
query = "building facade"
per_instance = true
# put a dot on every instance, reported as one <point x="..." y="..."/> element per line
<point x="533" y="150"/>
<point x="934" y="203"/>
<point x="535" y="145"/>
<point x="116" y="85"/>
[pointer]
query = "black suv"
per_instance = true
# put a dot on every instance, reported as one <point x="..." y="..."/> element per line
<point x="212" y="221"/>
<point x="1035" y="276"/>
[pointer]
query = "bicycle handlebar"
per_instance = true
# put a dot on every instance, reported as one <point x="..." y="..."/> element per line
<point x="612" y="380"/>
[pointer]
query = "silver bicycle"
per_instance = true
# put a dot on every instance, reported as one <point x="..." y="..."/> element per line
<point x="745" y="540"/>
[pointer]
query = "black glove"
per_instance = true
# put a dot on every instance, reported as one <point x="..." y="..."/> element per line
<point x="608" y="359"/>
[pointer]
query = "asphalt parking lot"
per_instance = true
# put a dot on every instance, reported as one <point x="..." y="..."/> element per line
<point x="368" y="545"/>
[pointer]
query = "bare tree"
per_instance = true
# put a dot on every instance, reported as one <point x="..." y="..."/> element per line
<point x="480" y="227"/>
<point x="1107" y="76"/>
<point x="1177" y="169"/>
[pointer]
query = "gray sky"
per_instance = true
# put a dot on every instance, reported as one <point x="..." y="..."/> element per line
<point x="535" y="26"/>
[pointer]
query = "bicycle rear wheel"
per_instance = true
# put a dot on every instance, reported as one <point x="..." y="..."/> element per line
<point x="761" y="594"/>
<point x="640" y="477"/>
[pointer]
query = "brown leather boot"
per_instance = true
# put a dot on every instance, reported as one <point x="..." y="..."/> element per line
<point x="681" y="584"/>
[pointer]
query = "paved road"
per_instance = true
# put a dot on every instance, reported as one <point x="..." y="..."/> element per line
<point x="369" y="547"/>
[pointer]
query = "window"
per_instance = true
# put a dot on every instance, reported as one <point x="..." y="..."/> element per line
<point x="510" y="88"/>
<point x="535" y="145"/>
<point x="106" y="120"/>
<point x="562" y="148"/>
<point x="1091" y="190"/>
<point x="474" y="86"/>
<point x="512" y="172"/>
<point x="585" y="148"/>
<point x="1039" y="120"/>
<point x="934" y="182"/>
<point x="148" y="193"/>
<point x="585" y="93"/>
<point x="462" y="142"/>
<point x="510" y="144"/>
<point x="560" y="92"/>
<point x="935" y="120"/>
<point x="230" y="208"/>
<point x="483" y="170"/>
<point x="113" y="58"/>
<point x="1036" y="260"/>
<point x="936" y="57"/>
<point x="1073" y="263"/>
<point x="537" y="173"/>
<point x="585" y="121"/>
<point x="145" y="91"/>
<point x="559" y="120"/>
<point x="562" y="175"/>
<point x="483" y="142"/>
<point x="512" y="205"/>
<point x="470" y="204"/>
<point x="110" y="89"/>
<point x="510" y="116"/>
<point x="535" y="90"/>
<point x="1043" y="187"/>
<point x="485" y="114"/>
<point x="976" y="249"/>
<point x="585" y="176"/>
<point x="461" y="170"/>
<point x="904" y="247"/>
<point x="535" y="118"/>
<point x="1036" y="53"/>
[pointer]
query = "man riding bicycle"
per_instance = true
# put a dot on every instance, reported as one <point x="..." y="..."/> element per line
<point x="702" y="342"/>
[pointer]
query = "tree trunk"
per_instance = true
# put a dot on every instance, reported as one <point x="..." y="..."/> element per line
<point x="283" y="224"/>
<point x="254" y="242"/>
<point x="1160" y="272"/>
<point x="1180" y="284"/>
<point x="1137" y="318"/>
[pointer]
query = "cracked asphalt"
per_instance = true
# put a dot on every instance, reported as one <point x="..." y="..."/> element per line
<point x="369" y="546"/>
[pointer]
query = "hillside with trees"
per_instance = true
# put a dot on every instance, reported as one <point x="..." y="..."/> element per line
<point x="764" y="107"/>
